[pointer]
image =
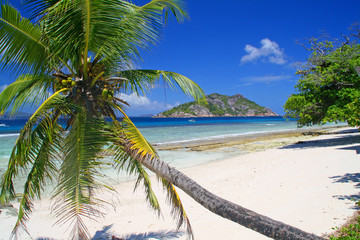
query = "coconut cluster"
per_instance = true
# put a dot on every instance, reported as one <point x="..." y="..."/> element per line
<point x="107" y="94"/>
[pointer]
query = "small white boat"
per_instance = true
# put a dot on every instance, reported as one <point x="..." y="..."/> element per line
<point x="192" y="120"/>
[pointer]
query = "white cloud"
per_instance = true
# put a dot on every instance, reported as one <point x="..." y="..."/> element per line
<point x="269" y="51"/>
<point x="134" y="100"/>
<point x="247" y="81"/>
<point x="142" y="104"/>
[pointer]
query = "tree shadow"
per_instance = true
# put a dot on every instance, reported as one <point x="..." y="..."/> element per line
<point x="106" y="234"/>
<point x="160" y="235"/>
<point x="349" y="178"/>
<point x="355" y="148"/>
<point x="346" y="131"/>
<point x="103" y="233"/>
<point x="337" y="140"/>
<point x="353" y="197"/>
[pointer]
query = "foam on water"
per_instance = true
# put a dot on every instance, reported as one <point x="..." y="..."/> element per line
<point x="9" y="135"/>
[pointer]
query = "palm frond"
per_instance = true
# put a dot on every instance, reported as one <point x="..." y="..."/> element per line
<point x="126" y="161"/>
<point x="25" y="145"/>
<point x="136" y="142"/>
<point x="185" y="84"/>
<point x="123" y="161"/>
<point x="130" y="148"/>
<point x="79" y="28"/>
<point x="87" y="22"/>
<point x="136" y="27"/>
<point x="82" y="150"/>
<point x="26" y="90"/>
<point x="177" y="7"/>
<point x="55" y="100"/>
<point x="44" y="152"/>
<point x="37" y="8"/>
<point x="21" y="43"/>
<point x="143" y="80"/>
<point x="178" y="210"/>
<point x="63" y="24"/>
<point x="144" y="24"/>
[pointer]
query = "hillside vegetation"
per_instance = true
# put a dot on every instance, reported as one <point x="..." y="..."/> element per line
<point x="219" y="105"/>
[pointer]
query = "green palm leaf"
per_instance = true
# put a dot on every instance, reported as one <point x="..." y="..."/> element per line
<point x="131" y="148"/>
<point x="143" y="80"/>
<point x="82" y="151"/>
<point x="44" y="154"/>
<point x="27" y="143"/>
<point x="20" y="42"/>
<point x="178" y="210"/>
<point x="123" y="161"/>
<point x="26" y="90"/>
<point x="79" y="28"/>
<point x="60" y="42"/>
<point x="134" y="140"/>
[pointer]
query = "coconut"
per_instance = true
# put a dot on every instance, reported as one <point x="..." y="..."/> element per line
<point x="105" y="93"/>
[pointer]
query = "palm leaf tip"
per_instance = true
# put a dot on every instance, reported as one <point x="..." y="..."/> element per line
<point x="177" y="8"/>
<point x="16" y="34"/>
<point x="178" y="210"/>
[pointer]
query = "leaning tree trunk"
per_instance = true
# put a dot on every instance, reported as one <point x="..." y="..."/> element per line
<point x="245" y="217"/>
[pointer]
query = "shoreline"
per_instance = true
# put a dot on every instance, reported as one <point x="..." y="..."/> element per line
<point x="220" y="143"/>
<point x="307" y="184"/>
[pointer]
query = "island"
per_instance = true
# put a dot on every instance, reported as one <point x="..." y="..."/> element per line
<point x="219" y="105"/>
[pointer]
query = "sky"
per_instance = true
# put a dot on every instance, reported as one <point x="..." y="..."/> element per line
<point x="228" y="47"/>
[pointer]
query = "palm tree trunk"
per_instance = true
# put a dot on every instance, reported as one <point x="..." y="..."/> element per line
<point x="247" y="218"/>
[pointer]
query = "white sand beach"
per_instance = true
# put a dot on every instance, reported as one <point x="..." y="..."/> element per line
<point x="308" y="185"/>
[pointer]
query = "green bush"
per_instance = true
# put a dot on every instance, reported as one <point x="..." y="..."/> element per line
<point x="350" y="232"/>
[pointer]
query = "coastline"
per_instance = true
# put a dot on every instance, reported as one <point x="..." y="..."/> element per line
<point x="242" y="141"/>
<point x="308" y="185"/>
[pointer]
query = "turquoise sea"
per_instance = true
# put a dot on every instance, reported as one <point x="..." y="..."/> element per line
<point x="172" y="130"/>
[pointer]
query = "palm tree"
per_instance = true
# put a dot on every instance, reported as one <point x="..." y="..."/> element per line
<point x="74" y="57"/>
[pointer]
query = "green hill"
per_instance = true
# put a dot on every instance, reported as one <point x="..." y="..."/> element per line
<point x="219" y="105"/>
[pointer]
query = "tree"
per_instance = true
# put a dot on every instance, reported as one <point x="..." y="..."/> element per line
<point x="329" y="87"/>
<point x="74" y="57"/>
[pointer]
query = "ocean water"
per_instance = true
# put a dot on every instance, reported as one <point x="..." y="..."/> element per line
<point x="170" y="130"/>
<point x="162" y="131"/>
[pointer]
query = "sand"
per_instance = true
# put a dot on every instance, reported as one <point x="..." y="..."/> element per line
<point x="309" y="185"/>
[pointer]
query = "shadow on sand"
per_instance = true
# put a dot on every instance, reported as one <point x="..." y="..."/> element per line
<point x="106" y="234"/>
<point x="339" y="139"/>
<point x="349" y="178"/>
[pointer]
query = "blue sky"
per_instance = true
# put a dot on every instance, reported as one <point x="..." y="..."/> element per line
<point x="235" y="46"/>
